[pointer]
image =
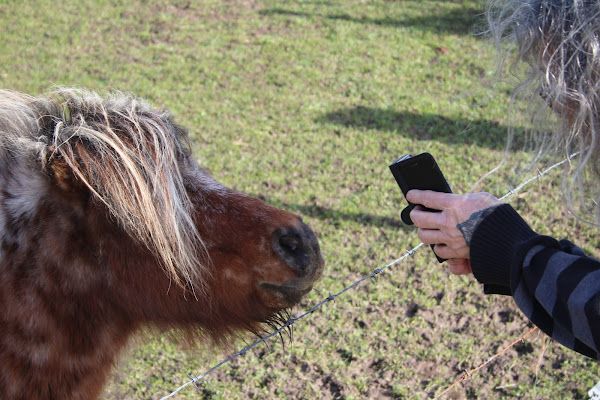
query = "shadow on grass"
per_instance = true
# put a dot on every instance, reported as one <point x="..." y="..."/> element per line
<point x="324" y="213"/>
<point x="482" y="133"/>
<point x="457" y="21"/>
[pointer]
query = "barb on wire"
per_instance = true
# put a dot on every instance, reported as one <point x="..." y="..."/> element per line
<point x="537" y="176"/>
<point x="467" y="374"/>
<point x="331" y="297"/>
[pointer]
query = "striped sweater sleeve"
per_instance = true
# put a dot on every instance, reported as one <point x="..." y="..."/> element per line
<point x="553" y="282"/>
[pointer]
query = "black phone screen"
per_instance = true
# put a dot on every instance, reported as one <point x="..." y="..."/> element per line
<point x="419" y="172"/>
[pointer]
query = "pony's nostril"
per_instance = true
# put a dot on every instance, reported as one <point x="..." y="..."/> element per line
<point x="289" y="242"/>
<point x="290" y="247"/>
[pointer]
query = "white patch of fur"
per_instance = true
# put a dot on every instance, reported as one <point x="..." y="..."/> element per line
<point x="203" y="179"/>
<point x="240" y="278"/>
<point x="25" y="190"/>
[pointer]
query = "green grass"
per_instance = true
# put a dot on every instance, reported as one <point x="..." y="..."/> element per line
<point x="304" y="104"/>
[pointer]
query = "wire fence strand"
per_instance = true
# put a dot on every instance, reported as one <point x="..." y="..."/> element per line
<point x="193" y="380"/>
<point x="292" y="321"/>
<point x="467" y="374"/>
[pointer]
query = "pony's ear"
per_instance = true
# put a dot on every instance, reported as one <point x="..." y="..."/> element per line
<point x="62" y="175"/>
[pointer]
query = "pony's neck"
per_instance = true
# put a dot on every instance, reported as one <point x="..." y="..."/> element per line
<point x="55" y="355"/>
<point x="61" y="324"/>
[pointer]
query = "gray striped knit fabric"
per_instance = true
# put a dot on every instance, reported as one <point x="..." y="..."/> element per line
<point x="553" y="282"/>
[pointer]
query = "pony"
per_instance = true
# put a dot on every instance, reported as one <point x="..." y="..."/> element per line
<point x="108" y="225"/>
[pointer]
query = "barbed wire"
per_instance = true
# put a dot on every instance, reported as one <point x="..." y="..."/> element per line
<point x="292" y="321"/>
<point x="467" y="374"/>
<point x="331" y="297"/>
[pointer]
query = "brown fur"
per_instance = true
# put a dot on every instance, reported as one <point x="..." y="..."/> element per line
<point x="76" y="281"/>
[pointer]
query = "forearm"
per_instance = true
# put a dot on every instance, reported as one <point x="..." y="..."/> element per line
<point x="558" y="289"/>
<point x="553" y="283"/>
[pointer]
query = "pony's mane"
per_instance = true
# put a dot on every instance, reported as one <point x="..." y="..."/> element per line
<point x="557" y="63"/>
<point x="126" y="153"/>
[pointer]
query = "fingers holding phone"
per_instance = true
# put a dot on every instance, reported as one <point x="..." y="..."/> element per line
<point x="446" y="221"/>
<point x="459" y="207"/>
<point x="450" y="230"/>
<point x="439" y="230"/>
<point x="418" y="172"/>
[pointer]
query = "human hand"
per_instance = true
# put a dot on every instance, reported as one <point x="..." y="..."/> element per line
<point x="451" y="229"/>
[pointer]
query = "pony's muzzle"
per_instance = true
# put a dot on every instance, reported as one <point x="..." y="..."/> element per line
<point x="299" y="249"/>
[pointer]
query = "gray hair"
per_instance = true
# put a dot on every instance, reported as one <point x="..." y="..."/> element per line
<point x="558" y="70"/>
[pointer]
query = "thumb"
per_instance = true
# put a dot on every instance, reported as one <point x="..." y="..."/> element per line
<point x="459" y="266"/>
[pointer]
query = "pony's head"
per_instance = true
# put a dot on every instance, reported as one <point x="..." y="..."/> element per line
<point x="139" y="225"/>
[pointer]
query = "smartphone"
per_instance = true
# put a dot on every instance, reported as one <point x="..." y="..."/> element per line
<point x="418" y="172"/>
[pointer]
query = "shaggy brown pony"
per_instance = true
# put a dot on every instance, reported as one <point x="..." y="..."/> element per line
<point x="107" y="225"/>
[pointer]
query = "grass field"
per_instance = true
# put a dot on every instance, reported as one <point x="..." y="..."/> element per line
<point x="304" y="104"/>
